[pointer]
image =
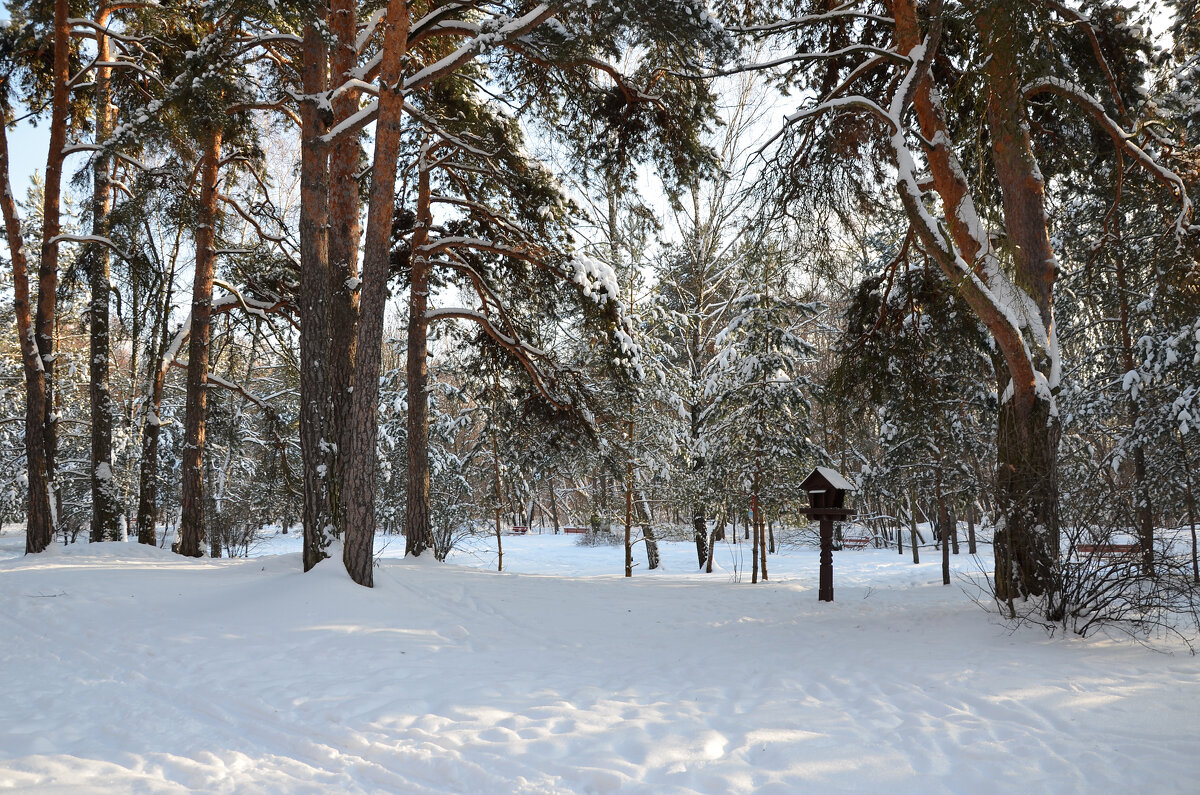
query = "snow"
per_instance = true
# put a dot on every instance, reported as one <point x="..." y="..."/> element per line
<point x="129" y="668"/>
<point x="835" y="479"/>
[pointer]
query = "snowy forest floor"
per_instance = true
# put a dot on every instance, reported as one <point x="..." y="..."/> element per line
<point x="127" y="668"/>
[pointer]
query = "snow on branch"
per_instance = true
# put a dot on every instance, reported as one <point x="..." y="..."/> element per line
<point x="1123" y="140"/>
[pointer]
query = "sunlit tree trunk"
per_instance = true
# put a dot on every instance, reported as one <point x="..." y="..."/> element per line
<point x="39" y="514"/>
<point x="191" y="527"/>
<point x="358" y="462"/>
<point x="417" y="529"/>
<point x="315" y="439"/>
<point x="106" y="507"/>
<point x="345" y="229"/>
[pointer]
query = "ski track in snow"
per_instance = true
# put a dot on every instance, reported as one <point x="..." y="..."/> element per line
<point x="127" y="668"/>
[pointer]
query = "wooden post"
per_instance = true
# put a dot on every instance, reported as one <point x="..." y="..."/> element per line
<point x="825" y="592"/>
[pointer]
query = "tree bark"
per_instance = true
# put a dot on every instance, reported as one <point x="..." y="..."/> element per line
<point x="418" y="532"/>
<point x="147" y="511"/>
<point x="46" y="321"/>
<point x="191" y="528"/>
<point x="39" y="512"/>
<point x="315" y="438"/>
<point x="106" y="504"/>
<point x="359" y="466"/>
<point x="912" y="524"/>
<point x="971" y="528"/>
<point x="1027" y="429"/>
<point x="345" y="229"/>
<point x="553" y="506"/>
<point x="629" y="510"/>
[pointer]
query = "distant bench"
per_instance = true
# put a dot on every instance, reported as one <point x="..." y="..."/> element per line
<point x="575" y="530"/>
<point x="855" y="542"/>
<point x="520" y="530"/>
<point x="1108" y="550"/>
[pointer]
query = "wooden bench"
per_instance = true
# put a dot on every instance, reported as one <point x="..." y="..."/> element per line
<point x="520" y="530"/>
<point x="575" y="530"/>
<point x="855" y="542"/>
<point x="1108" y="550"/>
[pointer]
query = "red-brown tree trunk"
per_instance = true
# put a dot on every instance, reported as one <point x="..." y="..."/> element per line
<point x="45" y="321"/>
<point x="315" y="440"/>
<point x="358" y="463"/>
<point x="106" y="503"/>
<point x="417" y="529"/>
<point x="39" y="515"/>
<point x="191" y="527"/>
<point x="345" y="229"/>
<point x="1027" y="431"/>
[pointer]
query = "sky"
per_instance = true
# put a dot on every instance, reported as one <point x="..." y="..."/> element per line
<point x="26" y="145"/>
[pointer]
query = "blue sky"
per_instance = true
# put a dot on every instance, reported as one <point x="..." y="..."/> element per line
<point x="26" y="145"/>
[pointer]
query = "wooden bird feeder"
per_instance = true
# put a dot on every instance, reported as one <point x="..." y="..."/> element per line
<point x="827" y="502"/>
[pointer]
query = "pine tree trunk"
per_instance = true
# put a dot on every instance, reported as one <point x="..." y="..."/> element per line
<point x="953" y="529"/>
<point x="498" y="493"/>
<point x="191" y="527"/>
<point x="1027" y="432"/>
<point x="1191" y="505"/>
<point x="912" y="524"/>
<point x="345" y="229"/>
<point x="106" y="506"/>
<point x="418" y="532"/>
<point x="762" y="544"/>
<point x="1026" y="545"/>
<point x="754" y="509"/>
<point x="358" y="463"/>
<point x="943" y="530"/>
<point x="39" y="515"/>
<point x="971" y="528"/>
<point x="147" y="510"/>
<point x="553" y="506"/>
<point x="40" y="534"/>
<point x="629" y="511"/>
<point x="315" y="438"/>
<point x="1143" y="507"/>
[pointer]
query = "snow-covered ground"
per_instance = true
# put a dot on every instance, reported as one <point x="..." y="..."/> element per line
<point x="126" y="668"/>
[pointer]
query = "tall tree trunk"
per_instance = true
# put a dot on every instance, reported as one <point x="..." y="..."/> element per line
<point x="652" y="556"/>
<point x="315" y="438"/>
<point x="1191" y="505"/>
<point x="358" y="463"/>
<point x="147" y="510"/>
<point x="499" y="508"/>
<point x="553" y="506"/>
<point x="1143" y="507"/>
<point x="46" y="319"/>
<point x="1027" y="431"/>
<point x="912" y="526"/>
<point x="971" y="527"/>
<point x="345" y="229"/>
<point x="418" y="533"/>
<point x="191" y="527"/>
<point x="629" y="509"/>
<point x="754" y="510"/>
<point x="943" y="529"/>
<point x="1028" y="428"/>
<point x="762" y="543"/>
<point x="39" y="513"/>
<point x="106" y="504"/>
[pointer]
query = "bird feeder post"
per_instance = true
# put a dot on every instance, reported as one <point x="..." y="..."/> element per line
<point x="826" y="498"/>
